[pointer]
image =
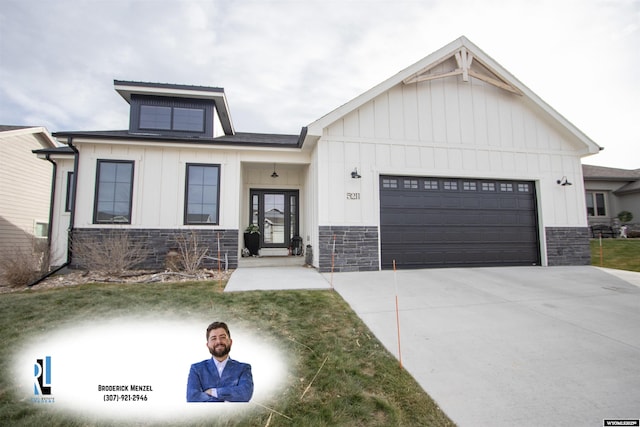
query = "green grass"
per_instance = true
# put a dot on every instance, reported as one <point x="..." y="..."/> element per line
<point x="361" y="384"/>
<point x="621" y="254"/>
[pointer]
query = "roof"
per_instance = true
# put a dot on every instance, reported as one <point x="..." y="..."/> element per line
<point x="629" y="178"/>
<point x="57" y="150"/>
<point x="178" y="88"/>
<point x="472" y="63"/>
<point x="6" y="128"/>
<point x="216" y="94"/>
<point x="39" y="132"/>
<point x="239" y="138"/>
<point x="592" y="173"/>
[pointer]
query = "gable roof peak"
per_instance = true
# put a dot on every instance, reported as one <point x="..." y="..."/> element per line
<point x="471" y="61"/>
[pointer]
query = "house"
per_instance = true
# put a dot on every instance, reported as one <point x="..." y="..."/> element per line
<point x="25" y="188"/>
<point x="610" y="191"/>
<point x="450" y="162"/>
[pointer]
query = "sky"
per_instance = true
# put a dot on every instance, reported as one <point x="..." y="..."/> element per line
<point x="285" y="63"/>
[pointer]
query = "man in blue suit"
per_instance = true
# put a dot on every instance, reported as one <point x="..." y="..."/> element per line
<point x="219" y="379"/>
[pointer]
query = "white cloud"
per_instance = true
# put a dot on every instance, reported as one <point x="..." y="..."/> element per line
<point x="285" y="63"/>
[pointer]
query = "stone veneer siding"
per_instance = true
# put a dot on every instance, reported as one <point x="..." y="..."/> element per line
<point x="160" y="241"/>
<point x="356" y="248"/>
<point x="568" y="246"/>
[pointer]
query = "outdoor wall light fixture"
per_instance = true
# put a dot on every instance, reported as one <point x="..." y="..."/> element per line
<point x="355" y="174"/>
<point x="274" y="174"/>
<point x="564" y="181"/>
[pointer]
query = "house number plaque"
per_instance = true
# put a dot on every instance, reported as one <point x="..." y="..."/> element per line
<point x="353" y="196"/>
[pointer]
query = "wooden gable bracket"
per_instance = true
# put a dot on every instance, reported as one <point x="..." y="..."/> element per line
<point x="464" y="59"/>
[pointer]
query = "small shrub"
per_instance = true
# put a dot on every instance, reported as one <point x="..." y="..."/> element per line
<point x="625" y="216"/>
<point x="23" y="266"/>
<point x="633" y="234"/>
<point x="113" y="253"/>
<point x="189" y="254"/>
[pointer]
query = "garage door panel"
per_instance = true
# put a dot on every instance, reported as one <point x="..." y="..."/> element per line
<point x="441" y="224"/>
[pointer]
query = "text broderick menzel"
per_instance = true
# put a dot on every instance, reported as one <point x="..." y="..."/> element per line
<point x="131" y="387"/>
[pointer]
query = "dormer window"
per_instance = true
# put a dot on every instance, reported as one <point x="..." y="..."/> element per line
<point x="155" y="117"/>
<point x="171" y="116"/>
<point x="176" y="111"/>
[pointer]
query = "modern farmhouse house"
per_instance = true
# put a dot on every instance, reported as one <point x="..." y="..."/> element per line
<point x="450" y="162"/>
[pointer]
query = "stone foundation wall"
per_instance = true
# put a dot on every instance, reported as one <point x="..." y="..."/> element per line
<point x="568" y="246"/>
<point x="159" y="242"/>
<point x="356" y="248"/>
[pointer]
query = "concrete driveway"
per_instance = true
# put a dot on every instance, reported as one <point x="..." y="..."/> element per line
<point x="521" y="346"/>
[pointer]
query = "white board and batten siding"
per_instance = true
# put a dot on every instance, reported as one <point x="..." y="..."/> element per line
<point x="158" y="183"/>
<point x="449" y="128"/>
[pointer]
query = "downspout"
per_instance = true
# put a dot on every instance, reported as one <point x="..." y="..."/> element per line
<point x="51" y="210"/>
<point x="72" y="216"/>
<point x="52" y="198"/>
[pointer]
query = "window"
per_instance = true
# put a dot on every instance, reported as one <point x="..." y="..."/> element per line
<point x="171" y="118"/>
<point x="469" y="186"/>
<point x="68" y="205"/>
<point x="154" y="117"/>
<point x="507" y="187"/>
<point x="202" y="194"/>
<point x="430" y="184"/>
<point x="450" y="185"/>
<point x="189" y="119"/>
<point x="595" y="204"/>
<point x="389" y="183"/>
<point x="410" y="183"/>
<point x="488" y="186"/>
<point x="523" y="188"/>
<point x="114" y="190"/>
<point x="41" y="230"/>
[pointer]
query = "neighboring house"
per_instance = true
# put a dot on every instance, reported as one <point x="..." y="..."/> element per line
<point x="610" y="191"/>
<point x="25" y="188"/>
<point x="451" y="162"/>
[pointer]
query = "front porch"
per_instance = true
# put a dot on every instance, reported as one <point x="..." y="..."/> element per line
<point x="271" y="261"/>
<point x="273" y="198"/>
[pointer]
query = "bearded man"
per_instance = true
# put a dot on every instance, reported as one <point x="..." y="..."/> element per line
<point x="220" y="378"/>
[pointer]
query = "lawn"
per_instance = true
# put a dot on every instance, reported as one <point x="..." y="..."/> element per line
<point x="341" y="374"/>
<point x="621" y="254"/>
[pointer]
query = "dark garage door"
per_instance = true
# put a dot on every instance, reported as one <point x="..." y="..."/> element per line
<point x="453" y="222"/>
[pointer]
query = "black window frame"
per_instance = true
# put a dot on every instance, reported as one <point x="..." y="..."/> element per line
<point x="390" y="183"/>
<point x="172" y="125"/>
<point x="186" y="194"/>
<point x="68" y="203"/>
<point x="410" y="183"/>
<point x="96" y="200"/>
<point x="141" y="117"/>
<point x="596" y="210"/>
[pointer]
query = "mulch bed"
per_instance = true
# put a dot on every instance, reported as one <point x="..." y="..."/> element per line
<point x="80" y="277"/>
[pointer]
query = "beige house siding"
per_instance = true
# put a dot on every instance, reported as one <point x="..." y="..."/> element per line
<point x="25" y="188"/>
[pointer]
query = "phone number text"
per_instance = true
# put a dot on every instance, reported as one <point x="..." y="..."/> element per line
<point x="125" y="398"/>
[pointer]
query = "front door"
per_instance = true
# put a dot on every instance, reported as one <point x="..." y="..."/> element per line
<point x="276" y="213"/>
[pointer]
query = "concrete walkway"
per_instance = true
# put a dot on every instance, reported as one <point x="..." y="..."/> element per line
<point x="504" y="346"/>
<point x="275" y="278"/>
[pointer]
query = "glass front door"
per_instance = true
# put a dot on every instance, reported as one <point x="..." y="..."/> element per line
<point x="276" y="213"/>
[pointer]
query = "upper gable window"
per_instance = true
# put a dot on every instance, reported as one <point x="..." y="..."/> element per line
<point x="189" y="119"/>
<point x="179" y="117"/>
<point x="171" y="118"/>
<point x="153" y="117"/>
